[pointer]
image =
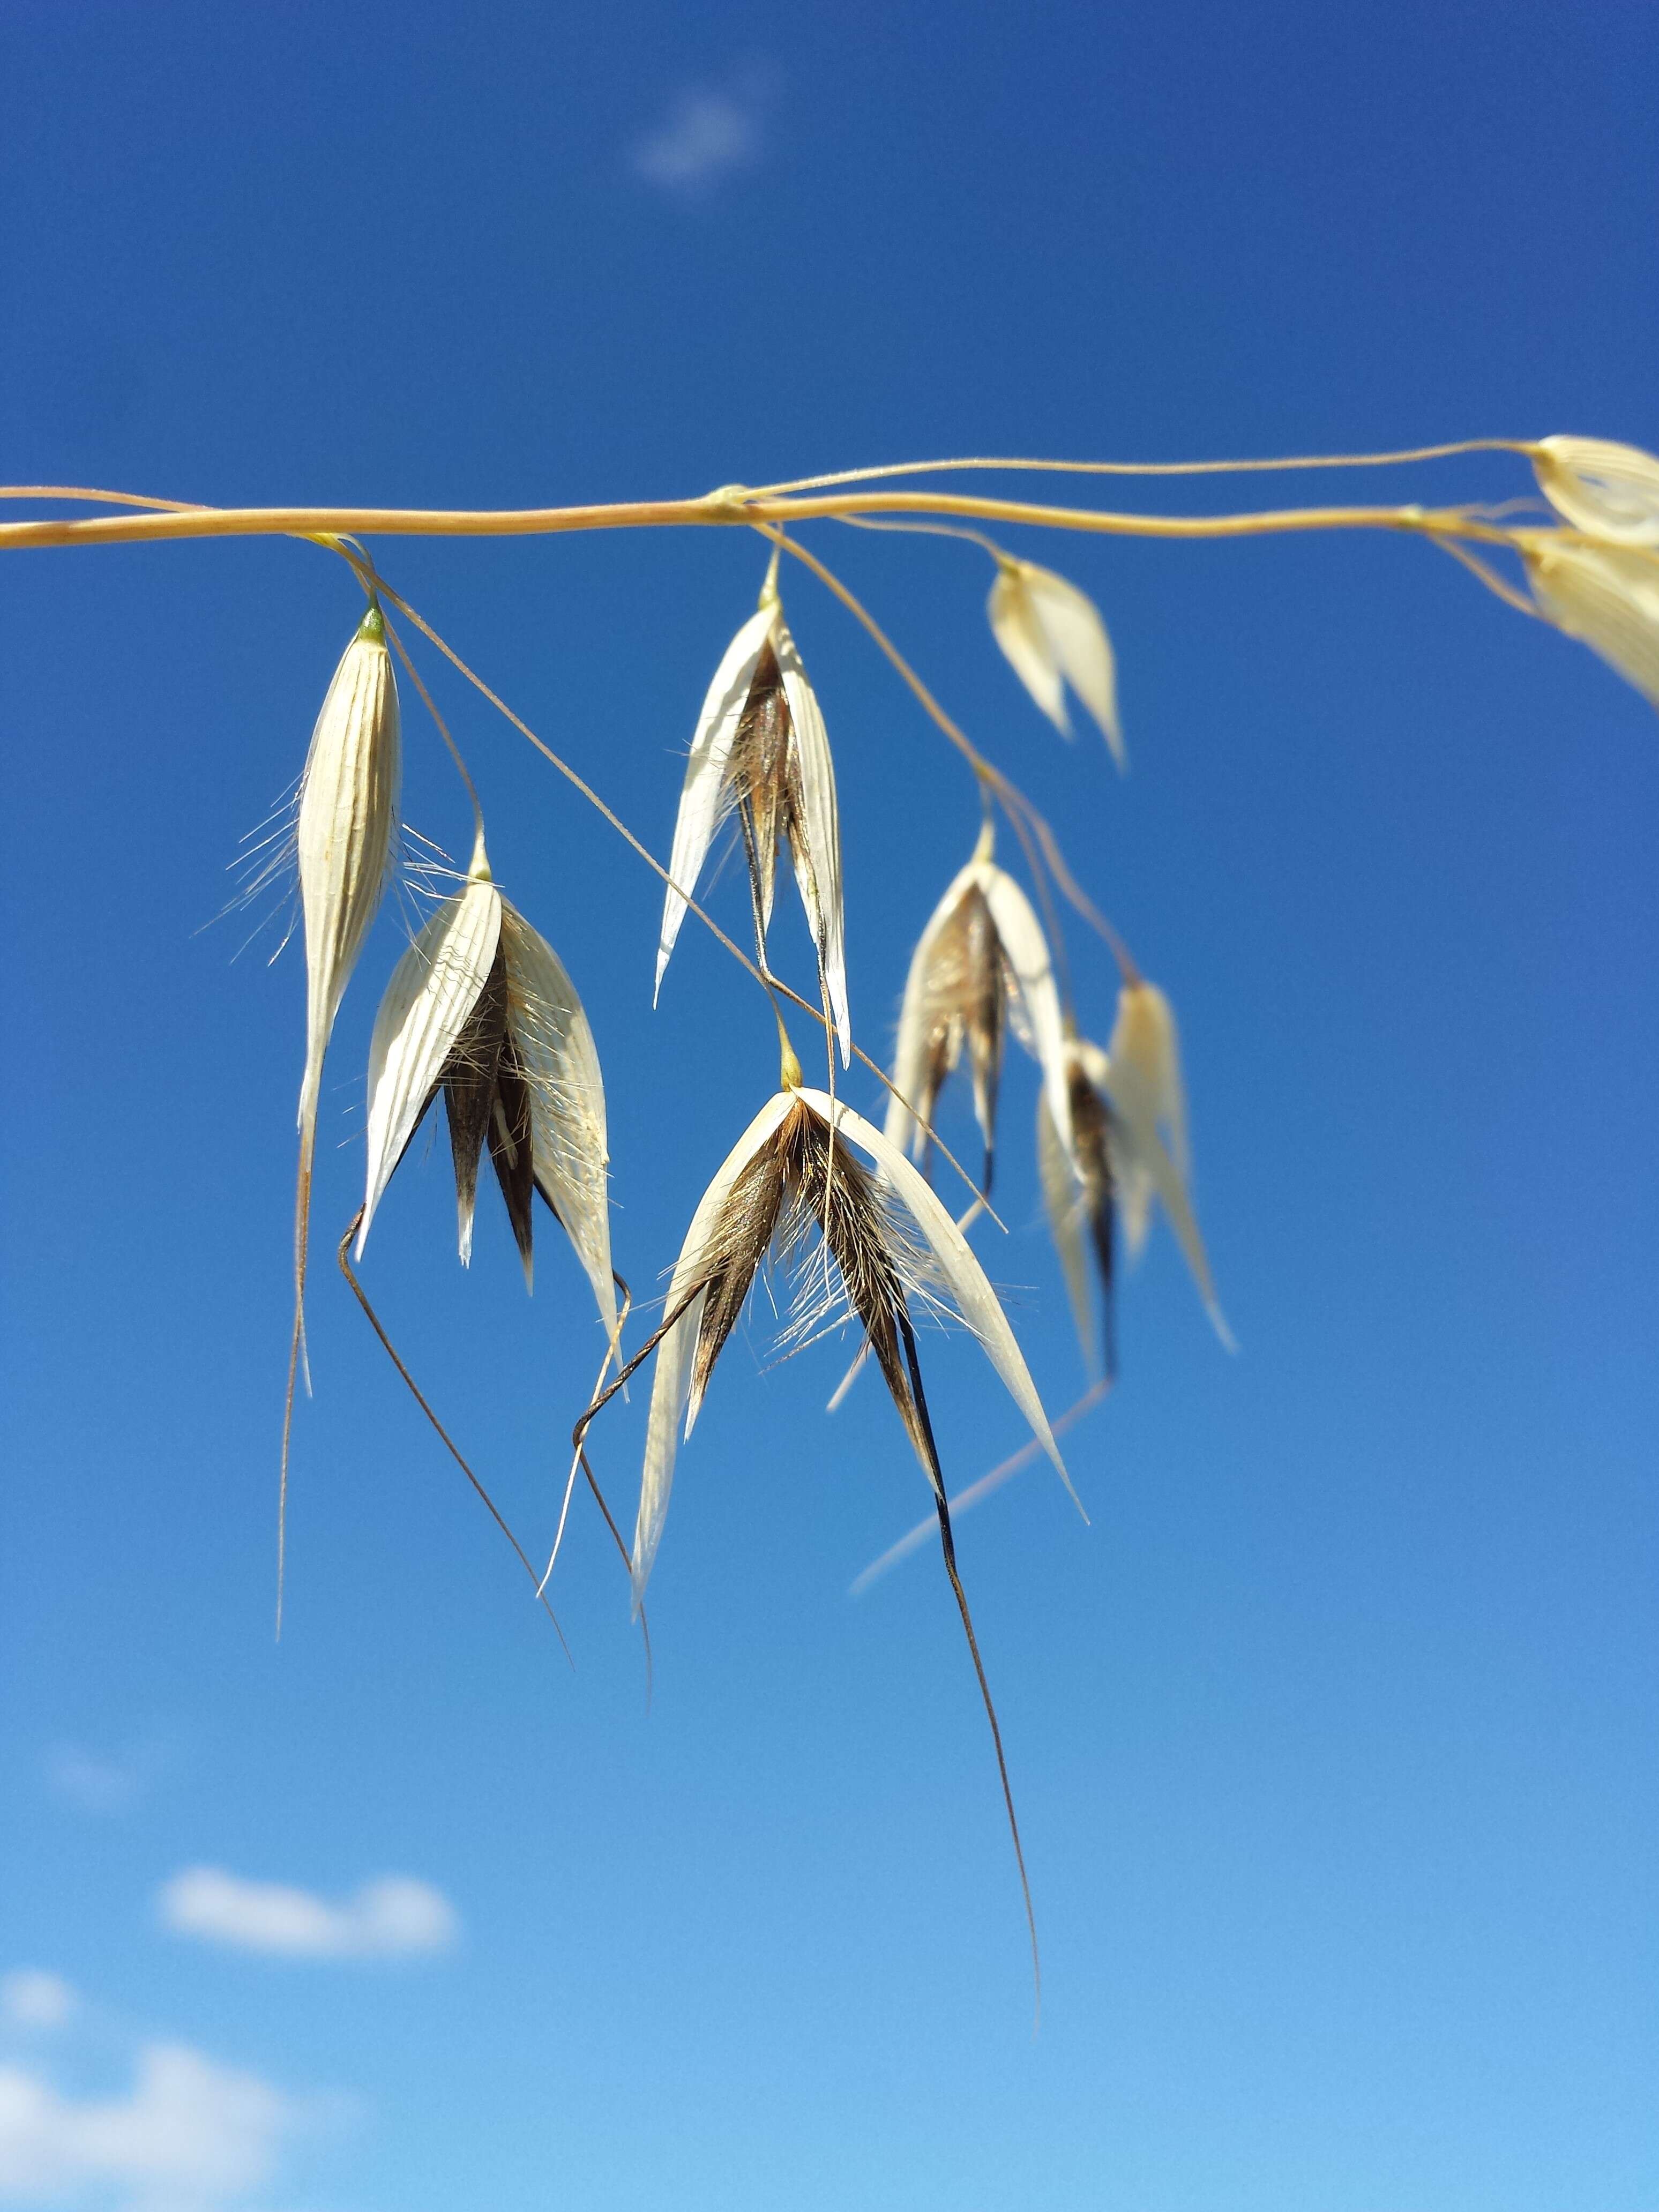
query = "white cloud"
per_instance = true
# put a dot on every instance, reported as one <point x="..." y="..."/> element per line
<point x="92" y="1783"/>
<point x="31" y="1998"/>
<point x="190" y="2136"/>
<point x="708" y="133"/>
<point x="390" y="1918"/>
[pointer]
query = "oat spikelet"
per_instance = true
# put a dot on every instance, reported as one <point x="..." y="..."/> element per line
<point x="1129" y="1147"/>
<point x="347" y="830"/>
<point x="981" y="962"/>
<point x="481" y="1009"/>
<point x="440" y="1025"/>
<point x="718" y="1242"/>
<point x="557" y="1061"/>
<point x="785" y="1177"/>
<point x="1606" y="596"/>
<point x="1609" y="490"/>
<point x="760" y="751"/>
<point x="1052" y="635"/>
<point x="1144" y="1075"/>
<point x="790" y="1177"/>
<point x="345" y="840"/>
<point x="1080" y="1195"/>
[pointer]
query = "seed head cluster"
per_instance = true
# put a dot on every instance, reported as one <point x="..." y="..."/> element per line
<point x="480" y="1010"/>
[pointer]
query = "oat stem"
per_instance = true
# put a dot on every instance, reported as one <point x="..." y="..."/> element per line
<point x="731" y="507"/>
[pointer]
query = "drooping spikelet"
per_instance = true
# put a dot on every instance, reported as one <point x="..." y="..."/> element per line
<point x="790" y="1172"/>
<point x="1142" y="1076"/>
<point x="1609" y="490"/>
<point x="789" y="1176"/>
<point x="1079" y="1193"/>
<point x="981" y="962"/>
<point x="760" y="751"/>
<point x="481" y="1009"/>
<point x="1128" y="1147"/>
<point x="1606" y="596"/>
<point x="1052" y="635"/>
<point x="346" y="832"/>
<point x="344" y="841"/>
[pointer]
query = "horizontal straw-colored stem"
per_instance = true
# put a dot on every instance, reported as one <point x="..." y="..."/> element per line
<point x="729" y="506"/>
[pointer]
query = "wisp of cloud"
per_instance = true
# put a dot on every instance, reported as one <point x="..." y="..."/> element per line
<point x="708" y="133"/>
<point x="394" y="1918"/>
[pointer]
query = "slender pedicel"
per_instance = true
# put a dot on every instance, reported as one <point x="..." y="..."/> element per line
<point x="343" y="1255"/>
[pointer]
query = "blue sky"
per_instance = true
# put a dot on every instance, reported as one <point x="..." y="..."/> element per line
<point x="1332" y="1735"/>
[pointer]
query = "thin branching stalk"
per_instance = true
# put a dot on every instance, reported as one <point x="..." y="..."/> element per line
<point x="1497" y="585"/>
<point x="443" y="728"/>
<point x="100" y="498"/>
<point x="343" y="1255"/>
<point x="539" y="1581"/>
<point x="578" y="1463"/>
<point x="1028" y="467"/>
<point x="1529" y="449"/>
<point x="929" y="530"/>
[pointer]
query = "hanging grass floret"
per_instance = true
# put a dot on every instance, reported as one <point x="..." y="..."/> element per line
<point x="1052" y="635"/>
<point x="481" y="1009"/>
<point x="888" y="1238"/>
<point x="1607" y="490"/>
<point x="345" y="838"/>
<point x="1079" y="1190"/>
<point x="1606" y="595"/>
<point x="760" y="751"/>
<point x="980" y="965"/>
<point x="1128" y="1147"/>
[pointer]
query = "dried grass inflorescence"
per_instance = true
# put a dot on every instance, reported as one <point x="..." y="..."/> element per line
<point x="345" y="840"/>
<point x="889" y="1238"/>
<point x="760" y="751"/>
<point x="480" y="1010"/>
<point x="1609" y="491"/>
<point x="1129" y="1148"/>
<point x="1606" y="595"/>
<point x="981" y="965"/>
<point x="1052" y="635"/>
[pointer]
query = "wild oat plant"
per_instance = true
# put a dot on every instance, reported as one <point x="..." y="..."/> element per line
<point x="480" y="1010"/>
